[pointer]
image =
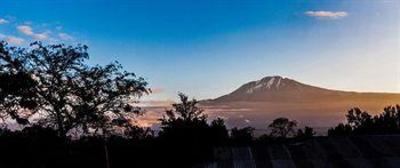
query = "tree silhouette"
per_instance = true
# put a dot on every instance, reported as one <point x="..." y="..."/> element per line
<point x="219" y="132"/>
<point x="134" y="132"/>
<point x="359" y="122"/>
<point x="282" y="127"/>
<point x="186" y="110"/>
<point x="357" y="118"/>
<point x="184" y="119"/>
<point x="340" y="130"/>
<point x="308" y="132"/>
<point x="242" y="135"/>
<point x="17" y="86"/>
<point x="187" y="135"/>
<point x="388" y="122"/>
<point x="51" y="85"/>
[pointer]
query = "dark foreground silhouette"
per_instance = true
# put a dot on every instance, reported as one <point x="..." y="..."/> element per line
<point x="41" y="148"/>
<point x="191" y="142"/>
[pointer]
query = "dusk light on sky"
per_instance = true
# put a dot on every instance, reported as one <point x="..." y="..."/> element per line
<point x="209" y="48"/>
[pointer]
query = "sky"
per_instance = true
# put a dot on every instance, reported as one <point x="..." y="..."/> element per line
<point x="208" y="48"/>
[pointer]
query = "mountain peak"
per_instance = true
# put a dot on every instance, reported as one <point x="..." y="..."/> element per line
<point x="273" y="88"/>
<point x="269" y="82"/>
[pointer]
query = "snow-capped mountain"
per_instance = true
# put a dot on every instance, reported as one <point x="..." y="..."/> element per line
<point x="277" y="88"/>
<point x="260" y="101"/>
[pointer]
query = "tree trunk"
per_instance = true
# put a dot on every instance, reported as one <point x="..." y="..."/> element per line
<point x="106" y="154"/>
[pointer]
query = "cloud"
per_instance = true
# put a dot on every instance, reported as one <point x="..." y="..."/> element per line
<point x="12" y="39"/>
<point x="327" y="14"/>
<point x="15" y="40"/>
<point x="27" y="30"/>
<point x="40" y="36"/>
<point x="65" y="37"/>
<point x="3" y="21"/>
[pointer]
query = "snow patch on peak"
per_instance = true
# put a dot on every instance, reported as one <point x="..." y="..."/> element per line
<point x="278" y="83"/>
<point x="270" y="83"/>
<point x="266" y="83"/>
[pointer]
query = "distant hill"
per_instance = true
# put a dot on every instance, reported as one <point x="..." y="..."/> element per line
<point x="260" y="101"/>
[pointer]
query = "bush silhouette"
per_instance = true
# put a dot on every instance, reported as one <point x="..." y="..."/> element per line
<point x="307" y="133"/>
<point x="242" y="135"/>
<point x="340" y="130"/>
<point x="186" y="133"/>
<point x="282" y="127"/>
<point x="359" y="122"/>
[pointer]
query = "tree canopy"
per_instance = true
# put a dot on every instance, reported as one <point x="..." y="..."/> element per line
<point x="185" y="117"/>
<point x="53" y="86"/>
<point x="360" y="122"/>
<point x="282" y="127"/>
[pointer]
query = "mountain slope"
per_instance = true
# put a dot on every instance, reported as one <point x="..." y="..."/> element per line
<point x="258" y="102"/>
<point x="280" y="89"/>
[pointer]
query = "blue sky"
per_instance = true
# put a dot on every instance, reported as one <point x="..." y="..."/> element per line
<point x="208" y="48"/>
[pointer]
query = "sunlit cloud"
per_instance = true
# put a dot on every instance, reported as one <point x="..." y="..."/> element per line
<point x="15" y="40"/>
<point x="27" y="30"/>
<point x="65" y="37"/>
<point x="12" y="39"/>
<point x="327" y="14"/>
<point x="3" y="21"/>
<point x="40" y="36"/>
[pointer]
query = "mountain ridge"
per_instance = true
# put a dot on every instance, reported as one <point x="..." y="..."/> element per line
<point x="278" y="88"/>
<point x="258" y="102"/>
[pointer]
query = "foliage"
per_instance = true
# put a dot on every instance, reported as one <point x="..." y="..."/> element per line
<point x="359" y="119"/>
<point x="340" y="130"/>
<point x="187" y="122"/>
<point x="138" y="133"/>
<point x="307" y="133"/>
<point x="51" y="85"/>
<point x="359" y="122"/>
<point x="242" y="135"/>
<point x="282" y="127"/>
<point x="185" y="118"/>
<point x="186" y="110"/>
<point x="185" y="134"/>
<point x="219" y="131"/>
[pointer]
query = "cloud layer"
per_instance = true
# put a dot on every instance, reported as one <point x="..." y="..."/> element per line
<point x="65" y="37"/>
<point x="51" y="34"/>
<point x="27" y="30"/>
<point x="327" y="14"/>
<point x="12" y="39"/>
